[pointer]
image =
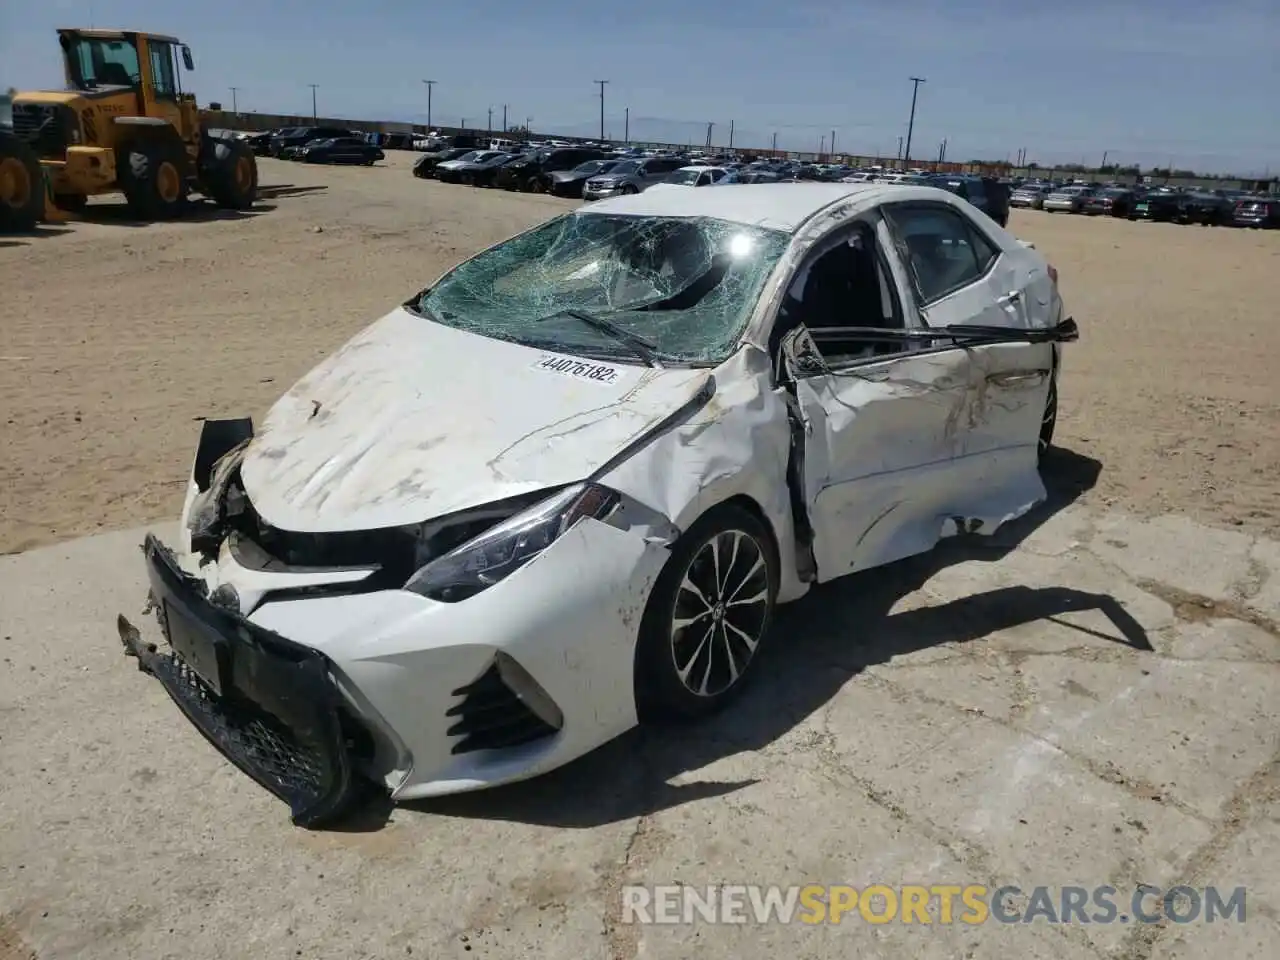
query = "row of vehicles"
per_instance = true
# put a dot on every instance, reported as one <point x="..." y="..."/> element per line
<point x="316" y="144"/>
<point x="591" y="172"/>
<point x="1168" y="204"/>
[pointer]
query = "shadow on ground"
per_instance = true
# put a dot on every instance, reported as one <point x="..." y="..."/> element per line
<point x="26" y="236"/>
<point x="278" y="190"/>
<point x="817" y="646"/>
<point x="197" y="211"/>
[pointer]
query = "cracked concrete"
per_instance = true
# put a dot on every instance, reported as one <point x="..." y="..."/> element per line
<point x="1083" y="699"/>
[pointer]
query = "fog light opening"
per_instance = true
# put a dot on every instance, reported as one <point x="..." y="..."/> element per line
<point x="531" y="694"/>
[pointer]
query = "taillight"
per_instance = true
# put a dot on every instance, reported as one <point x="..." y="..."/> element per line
<point x="1053" y="274"/>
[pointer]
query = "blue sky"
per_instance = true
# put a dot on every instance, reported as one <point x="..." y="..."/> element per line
<point x="1195" y="83"/>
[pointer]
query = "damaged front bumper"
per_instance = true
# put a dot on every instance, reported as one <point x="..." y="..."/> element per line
<point x="267" y="703"/>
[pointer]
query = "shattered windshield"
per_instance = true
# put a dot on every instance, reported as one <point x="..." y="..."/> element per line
<point x="686" y="285"/>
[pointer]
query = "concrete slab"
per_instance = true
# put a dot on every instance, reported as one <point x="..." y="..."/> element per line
<point x="1086" y="699"/>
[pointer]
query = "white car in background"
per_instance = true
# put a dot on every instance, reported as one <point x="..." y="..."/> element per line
<point x="694" y="175"/>
<point x="562" y="489"/>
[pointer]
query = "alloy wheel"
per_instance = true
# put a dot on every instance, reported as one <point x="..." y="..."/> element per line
<point x="720" y="613"/>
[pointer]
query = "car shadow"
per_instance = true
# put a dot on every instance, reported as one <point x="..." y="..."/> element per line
<point x="818" y="645"/>
<point x="276" y="191"/>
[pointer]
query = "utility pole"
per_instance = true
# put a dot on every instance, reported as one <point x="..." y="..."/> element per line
<point x="774" y="148"/>
<point x="430" y="84"/>
<point x="731" y="123"/>
<point x="833" y="143"/>
<point x="942" y="151"/>
<point x="315" y="115"/>
<point x="1104" y="157"/>
<point x="899" y="148"/>
<point x="234" y="108"/>
<point x="602" y="83"/>
<point x="504" y="119"/>
<point x="462" y="123"/>
<point x="528" y="127"/>
<point x="626" y="125"/>
<point x="822" y="145"/>
<point x="906" y="157"/>
<point x="710" y="127"/>
<point x="489" y="127"/>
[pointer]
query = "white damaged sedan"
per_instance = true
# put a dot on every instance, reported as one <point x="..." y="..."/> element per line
<point x="561" y="490"/>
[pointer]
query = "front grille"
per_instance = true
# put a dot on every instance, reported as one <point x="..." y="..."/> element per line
<point x="44" y="127"/>
<point x="491" y="716"/>
<point x="287" y="766"/>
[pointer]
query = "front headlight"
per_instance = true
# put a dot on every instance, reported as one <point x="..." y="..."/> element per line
<point x="502" y="550"/>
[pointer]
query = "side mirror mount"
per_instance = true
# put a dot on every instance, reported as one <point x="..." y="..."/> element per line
<point x="800" y="354"/>
<point x="187" y="60"/>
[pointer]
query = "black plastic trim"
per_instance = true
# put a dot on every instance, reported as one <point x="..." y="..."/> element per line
<point x="277" y="718"/>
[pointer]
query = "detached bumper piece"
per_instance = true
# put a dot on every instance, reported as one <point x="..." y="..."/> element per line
<point x="267" y="703"/>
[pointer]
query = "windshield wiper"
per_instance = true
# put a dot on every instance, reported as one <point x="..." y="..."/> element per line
<point x="640" y="346"/>
<point x="963" y="334"/>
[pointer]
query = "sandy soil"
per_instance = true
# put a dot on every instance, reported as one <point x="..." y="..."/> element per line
<point x="116" y="339"/>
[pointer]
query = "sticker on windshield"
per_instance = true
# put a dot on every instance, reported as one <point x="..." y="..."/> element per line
<point x="582" y="369"/>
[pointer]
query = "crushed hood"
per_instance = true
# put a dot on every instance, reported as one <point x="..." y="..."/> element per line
<point x="412" y="420"/>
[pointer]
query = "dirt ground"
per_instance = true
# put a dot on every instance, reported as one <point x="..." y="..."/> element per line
<point x="117" y="339"/>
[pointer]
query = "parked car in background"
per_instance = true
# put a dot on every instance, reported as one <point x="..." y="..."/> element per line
<point x="1209" y="208"/>
<point x="481" y="173"/>
<point x="1262" y="212"/>
<point x="697" y="175"/>
<point x="340" y="150"/>
<point x="1069" y="199"/>
<point x="260" y="143"/>
<point x="988" y="194"/>
<point x="450" y="170"/>
<point x="569" y="183"/>
<point x="677" y="416"/>
<point x="630" y="176"/>
<point x="1030" y="196"/>
<point x="301" y="136"/>
<point x="1111" y="202"/>
<point x="1161" y="203"/>
<point x="532" y="172"/>
<point x="424" y="168"/>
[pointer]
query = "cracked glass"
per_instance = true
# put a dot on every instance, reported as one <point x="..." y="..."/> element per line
<point x="684" y="286"/>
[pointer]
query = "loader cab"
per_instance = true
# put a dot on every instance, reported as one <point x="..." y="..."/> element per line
<point x="131" y="74"/>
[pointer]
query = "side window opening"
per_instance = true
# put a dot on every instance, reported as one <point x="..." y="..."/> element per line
<point x="846" y="284"/>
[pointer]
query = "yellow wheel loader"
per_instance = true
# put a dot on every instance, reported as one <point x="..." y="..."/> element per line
<point x="124" y="124"/>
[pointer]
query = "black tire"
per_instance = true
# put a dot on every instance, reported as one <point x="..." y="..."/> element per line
<point x="153" y="178"/>
<point x="70" y="202"/>
<point x="629" y="189"/>
<point x="669" y="658"/>
<point x="537" y="185"/>
<point x="1049" y="419"/>
<point x="230" y="174"/>
<point x="21" y="185"/>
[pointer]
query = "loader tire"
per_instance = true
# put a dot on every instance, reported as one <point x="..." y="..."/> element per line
<point x="231" y="175"/>
<point x="153" y="178"/>
<point x="21" y="185"/>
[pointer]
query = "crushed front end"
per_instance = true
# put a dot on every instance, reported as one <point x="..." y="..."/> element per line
<point x="267" y="703"/>
<point x="314" y="664"/>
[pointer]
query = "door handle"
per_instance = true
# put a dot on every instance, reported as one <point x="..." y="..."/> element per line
<point x="1013" y="296"/>
<point x="1018" y="378"/>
